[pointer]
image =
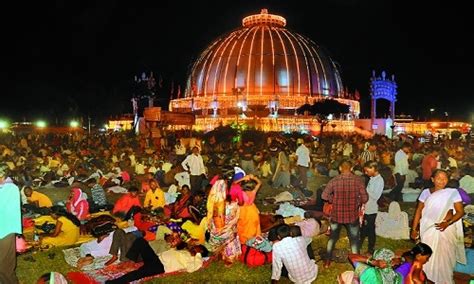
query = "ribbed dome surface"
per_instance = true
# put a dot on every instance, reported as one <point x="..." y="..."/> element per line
<point x="263" y="58"/>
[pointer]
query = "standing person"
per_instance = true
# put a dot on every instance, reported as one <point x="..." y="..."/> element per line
<point x="195" y="166"/>
<point x="281" y="176"/>
<point x="369" y="155"/>
<point x="303" y="159"/>
<point x="248" y="225"/>
<point x="10" y="210"/>
<point x="246" y="157"/>
<point x="347" y="193"/>
<point x="429" y="165"/>
<point x="374" y="191"/>
<point x="438" y="214"/>
<point x="400" y="171"/>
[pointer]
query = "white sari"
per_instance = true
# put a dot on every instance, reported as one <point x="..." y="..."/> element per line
<point x="447" y="245"/>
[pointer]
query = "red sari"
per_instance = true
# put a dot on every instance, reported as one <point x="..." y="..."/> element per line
<point x="179" y="209"/>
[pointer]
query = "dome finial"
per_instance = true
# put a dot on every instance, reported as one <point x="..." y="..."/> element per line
<point x="264" y="19"/>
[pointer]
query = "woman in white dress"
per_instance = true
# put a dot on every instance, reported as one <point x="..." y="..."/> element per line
<point x="438" y="214"/>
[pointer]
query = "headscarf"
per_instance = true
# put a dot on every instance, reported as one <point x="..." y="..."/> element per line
<point x="239" y="173"/>
<point x="386" y="275"/>
<point x="77" y="196"/>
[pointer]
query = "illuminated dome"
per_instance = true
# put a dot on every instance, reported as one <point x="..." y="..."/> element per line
<point x="260" y="69"/>
<point x="264" y="58"/>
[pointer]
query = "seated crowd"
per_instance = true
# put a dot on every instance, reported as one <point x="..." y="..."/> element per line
<point x="173" y="212"/>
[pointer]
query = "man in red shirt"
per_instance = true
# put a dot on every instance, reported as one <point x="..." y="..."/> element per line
<point x="126" y="202"/>
<point x="347" y="193"/>
<point x="428" y="165"/>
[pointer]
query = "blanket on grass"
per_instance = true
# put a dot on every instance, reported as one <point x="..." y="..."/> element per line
<point x="96" y="273"/>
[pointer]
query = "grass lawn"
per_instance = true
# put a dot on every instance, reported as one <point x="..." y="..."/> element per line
<point x="28" y="272"/>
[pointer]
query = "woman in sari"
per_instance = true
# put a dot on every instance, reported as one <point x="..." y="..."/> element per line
<point x="77" y="204"/>
<point x="248" y="225"/>
<point x="438" y="214"/>
<point x="223" y="238"/>
<point x="179" y="209"/>
<point x="281" y="178"/>
<point x="377" y="269"/>
<point x="66" y="231"/>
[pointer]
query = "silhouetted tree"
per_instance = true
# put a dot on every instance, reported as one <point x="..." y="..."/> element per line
<point x="322" y="110"/>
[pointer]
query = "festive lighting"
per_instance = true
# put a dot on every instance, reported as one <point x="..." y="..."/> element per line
<point x="41" y="124"/>
<point x="3" y="124"/>
<point x="264" y="18"/>
<point x="244" y="71"/>
<point x="73" y="124"/>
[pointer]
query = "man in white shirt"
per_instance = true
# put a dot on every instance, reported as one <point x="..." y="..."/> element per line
<point x="195" y="166"/>
<point x="400" y="171"/>
<point x="303" y="159"/>
<point x="374" y="191"/>
<point x="292" y="252"/>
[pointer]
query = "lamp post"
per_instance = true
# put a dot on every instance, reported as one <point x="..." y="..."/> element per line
<point x="431" y="113"/>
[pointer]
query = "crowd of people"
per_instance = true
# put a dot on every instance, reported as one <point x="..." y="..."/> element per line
<point x="186" y="199"/>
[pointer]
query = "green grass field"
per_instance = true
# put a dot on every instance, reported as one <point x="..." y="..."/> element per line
<point x="28" y="271"/>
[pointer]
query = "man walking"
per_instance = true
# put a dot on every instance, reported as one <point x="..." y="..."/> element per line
<point x="195" y="166"/>
<point x="10" y="225"/>
<point x="347" y="193"/>
<point x="401" y="171"/>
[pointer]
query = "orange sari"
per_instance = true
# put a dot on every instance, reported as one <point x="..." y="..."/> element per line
<point x="248" y="225"/>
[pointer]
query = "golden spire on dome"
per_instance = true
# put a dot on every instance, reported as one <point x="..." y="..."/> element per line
<point x="263" y="19"/>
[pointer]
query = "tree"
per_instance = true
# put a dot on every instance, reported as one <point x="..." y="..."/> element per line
<point x="322" y="110"/>
<point x="456" y="134"/>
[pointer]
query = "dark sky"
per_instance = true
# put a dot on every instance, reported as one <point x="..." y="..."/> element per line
<point x="66" y="58"/>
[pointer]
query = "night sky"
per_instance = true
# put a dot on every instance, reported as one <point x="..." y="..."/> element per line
<point x="79" y="58"/>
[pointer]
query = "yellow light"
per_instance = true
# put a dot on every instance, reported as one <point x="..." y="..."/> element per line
<point x="73" y="124"/>
<point x="41" y="124"/>
<point x="3" y="124"/>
